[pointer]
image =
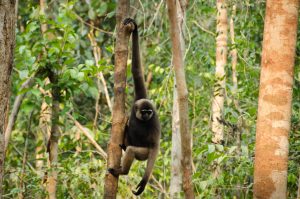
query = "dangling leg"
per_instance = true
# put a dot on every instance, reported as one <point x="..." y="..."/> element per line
<point x="131" y="153"/>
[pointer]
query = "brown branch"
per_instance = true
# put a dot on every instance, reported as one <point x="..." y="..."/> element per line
<point x="149" y="79"/>
<point x="182" y="92"/>
<point x="89" y="136"/>
<point x="16" y="107"/>
<point x="204" y="29"/>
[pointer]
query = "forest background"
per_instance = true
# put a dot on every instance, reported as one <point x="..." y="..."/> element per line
<point x="80" y="38"/>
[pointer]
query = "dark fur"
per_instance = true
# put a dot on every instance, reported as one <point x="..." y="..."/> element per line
<point x="142" y="133"/>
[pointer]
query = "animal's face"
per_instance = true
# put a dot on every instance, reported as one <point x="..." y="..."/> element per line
<point x="144" y="110"/>
<point x="146" y="114"/>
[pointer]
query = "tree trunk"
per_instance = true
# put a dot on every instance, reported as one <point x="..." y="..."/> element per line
<point x="43" y="133"/>
<point x="221" y="59"/>
<point x="234" y="58"/>
<point x="52" y="146"/>
<point x="275" y="97"/>
<point x="176" y="173"/>
<point x="7" y="45"/>
<point x="298" y="192"/>
<point x="119" y="117"/>
<point x="178" y="64"/>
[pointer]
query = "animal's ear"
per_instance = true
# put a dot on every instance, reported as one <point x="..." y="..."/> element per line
<point x="135" y="107"/>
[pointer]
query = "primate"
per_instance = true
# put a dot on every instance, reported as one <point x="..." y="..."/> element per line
<point x="142" y="132"/>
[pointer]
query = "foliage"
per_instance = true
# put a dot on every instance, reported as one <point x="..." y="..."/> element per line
<point x="65" y="48"/>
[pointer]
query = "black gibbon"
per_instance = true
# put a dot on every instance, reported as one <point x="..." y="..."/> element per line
<point x="142" y="133"/>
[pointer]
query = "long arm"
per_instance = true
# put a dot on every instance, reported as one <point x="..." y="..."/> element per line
<point x="136" y="69"/>
<point x="150" y="164"/>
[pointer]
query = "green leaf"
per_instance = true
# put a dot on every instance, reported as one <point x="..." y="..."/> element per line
<point x="91" y="14"/>
<point x="211" y="148"/>
<point x="102" y="9"/>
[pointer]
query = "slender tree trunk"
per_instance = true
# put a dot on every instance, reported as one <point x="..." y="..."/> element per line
<point x="52" y="146"/>
<point x="221" y="59"/>
<point x="7" y="45"/>
<point x="178" y="64"/>
<point x="43" y="133"/>
<point x="119" y="117"/>
<point x="176" y="173"/>
<point x="275" y="97"/>
<point x="234" y="58"/>
<point x="298" y="192"/>
<point x="233" y="54"/>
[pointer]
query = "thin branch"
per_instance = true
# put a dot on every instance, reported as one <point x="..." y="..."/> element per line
<point x="89" y="136"/>
<point x="16" y="107"/>
<point x="90" y="25"/>
<point x="155" y="15"/>
<point x="21" y="194"/>
<point x="204" y="29"/>
<point x="28" y="163"/>
<point x="97" y="55"/>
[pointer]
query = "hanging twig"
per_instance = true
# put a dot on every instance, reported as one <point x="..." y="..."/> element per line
<point x="97" y="55"/>
<point x="21" y="196"/>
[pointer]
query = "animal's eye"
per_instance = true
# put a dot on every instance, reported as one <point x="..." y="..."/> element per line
<point x="146" y="111"/>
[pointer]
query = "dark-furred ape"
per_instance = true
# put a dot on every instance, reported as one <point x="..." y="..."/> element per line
<point x="142" y="133"/>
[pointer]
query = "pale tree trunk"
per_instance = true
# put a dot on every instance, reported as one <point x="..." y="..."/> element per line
<point x="275" y="97"/>
<point x="7" y="45"/>
<point x="234" y="58"/>
<point x="176" y="173"/>
<point x="233" y="54"/>
<point x="53" y="138"/>
<point x="221" y="59"/>
<point x="182" y="92"/>
<point x="52" y="146"/>
<point x="43" y="132"/>
<point x="119" y="117"/>
<point x="298" y="192"/>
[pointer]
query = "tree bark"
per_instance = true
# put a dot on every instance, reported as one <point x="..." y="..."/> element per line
<point x="234" y="59"/>
<point x="7" y="45"/>
<point x="298" y="192"/>
<point x="178" y="64"/>
<point x="221" y="60"/>
<point x="176" y="173"/>
<point x="275" y="97"/>
<point x="52" y="146"/>
<point x="43" y="133"/>
<point x="119" y="117"/>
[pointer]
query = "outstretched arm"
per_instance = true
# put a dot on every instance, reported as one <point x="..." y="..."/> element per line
<point x="136" y="69"/>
